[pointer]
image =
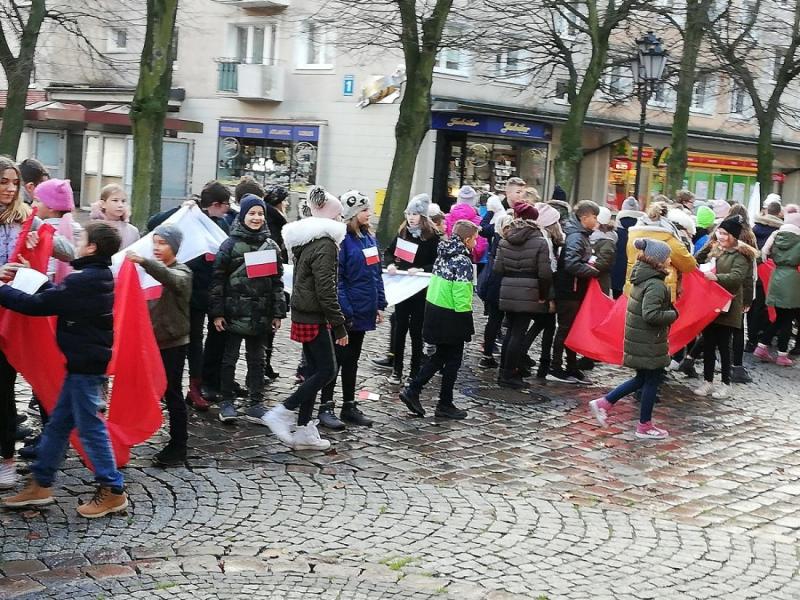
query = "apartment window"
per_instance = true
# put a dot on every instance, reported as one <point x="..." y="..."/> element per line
<point x="777" y="62"/>
<point x="660" y="95"/>
<point x="117" y="40"/>
<point x="315" y="46"/>
<point x="618" y="83"/>
<point x="566" y="26"/>
<point x="452" y="60"/>
<point x="562" y="90"/>
<point x="509" y="66"/>
<point x="173" y="48"/>
<point x="702" y="95"/>
<point x="739" y="100"/>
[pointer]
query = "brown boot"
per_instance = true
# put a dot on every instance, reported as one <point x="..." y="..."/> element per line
<point x="103" y="502"/>
<point x="33" y="495"/>
<point x="195" y="397"/>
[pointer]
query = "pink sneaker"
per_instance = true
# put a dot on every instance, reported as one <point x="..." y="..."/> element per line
<point x="600" y="408"/>
<point x="761" y="352"/>
<point x="648" y="431"/>
<point x="783" y="360"/>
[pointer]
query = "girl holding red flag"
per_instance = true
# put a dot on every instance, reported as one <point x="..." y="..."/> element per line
<point x="362" y="298"/>
<point x="413" y="250"/>
<point x="646" y="348"/>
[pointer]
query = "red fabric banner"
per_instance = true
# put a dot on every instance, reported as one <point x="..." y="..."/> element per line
<point x="583" y="337"/>
<point x="765" y="271"/>
<point x="698" y="305"/>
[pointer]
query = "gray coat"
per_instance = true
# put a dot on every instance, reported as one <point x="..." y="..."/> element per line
<point x="523" y="261"/>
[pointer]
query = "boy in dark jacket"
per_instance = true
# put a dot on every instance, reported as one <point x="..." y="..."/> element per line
<point x="314" y="243"/>
<point x="573" y="273"/>
<point x="246" y="303"/>
<point x="448" y="321"/>
<point x="169" y="315"/>
<point x="84" y="305"/>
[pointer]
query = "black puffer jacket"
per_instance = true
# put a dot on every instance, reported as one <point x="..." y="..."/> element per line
<point x="276" y="220"/>
<point x="248" y="304"/>
<point x="574" y="271"/>
<point x="764" y="227"/>
<point x="314" y="245"/>
<point x="523" y="260"/>
<point x="84" y="304"/>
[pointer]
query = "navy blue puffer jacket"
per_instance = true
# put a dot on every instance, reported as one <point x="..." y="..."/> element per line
<point x="360" y="285"/>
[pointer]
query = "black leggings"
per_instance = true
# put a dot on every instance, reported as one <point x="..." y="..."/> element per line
<point x="320" y="370"/>
<point x="545" y="324"/>
<point x="717" y="337"/>
<point x="347" y="361"/>
<point x="782" y="327"/>
<point x="8" y="408"/>
<point x="494" y="322"/>
<point x="408" y="316"/>
<point x="737" y="345"/>
<point x="513" y="343"/>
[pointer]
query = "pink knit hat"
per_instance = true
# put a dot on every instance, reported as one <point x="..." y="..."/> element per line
<point x="323" y="204"/>
<point x="792" y="219"/>
<point x="55" y="194"/>
<point x="547" y="215"/>
<point x="720" y="208"/>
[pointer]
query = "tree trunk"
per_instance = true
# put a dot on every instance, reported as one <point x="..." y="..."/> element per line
<point x="570" y="154"/>
<point x="412" y="125"/>
<point x="696" y="19"/>
<point x="149" y="108"/>
<point x="765" y="153"/>
<point x="18" y="72"/>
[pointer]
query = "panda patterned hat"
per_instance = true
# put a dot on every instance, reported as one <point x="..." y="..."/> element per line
<point x="353" y="202"/>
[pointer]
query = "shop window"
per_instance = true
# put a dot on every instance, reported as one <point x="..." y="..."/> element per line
<point x="117" y="40"/>
<point x="291" y="164"/>
<point x="703" y="95"/>
<point x="315" y="46"/>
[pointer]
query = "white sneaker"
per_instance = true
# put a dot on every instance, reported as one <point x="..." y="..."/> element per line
<point x="706" y="389"/>
<point x="393" y="379"/>
<point x="280" y="421"/>
<point x="306" y="437"/>
<point x="723" y="391"/>
<point x="673" y="365"/>
<point x="8" y="475"/>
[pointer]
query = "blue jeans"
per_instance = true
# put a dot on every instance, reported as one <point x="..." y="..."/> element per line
<point x="77" y="408"/>
<point x="646" y="380"/>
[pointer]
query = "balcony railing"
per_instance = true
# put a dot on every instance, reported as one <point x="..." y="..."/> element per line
<point x="251" y="80"/>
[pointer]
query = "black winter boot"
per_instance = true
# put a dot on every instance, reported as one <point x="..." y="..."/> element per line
<point x="328" y="419"/>
<point x="352" y="414"/>
<point x="687" y="368"/>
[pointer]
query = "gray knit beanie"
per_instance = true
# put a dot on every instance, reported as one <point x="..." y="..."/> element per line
<point x="419" y="205"/>
<point x="171" y="234"/>
<point x="654" y="249"/>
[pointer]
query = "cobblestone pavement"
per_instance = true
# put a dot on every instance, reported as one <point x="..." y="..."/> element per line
<point x="527" y="498"/>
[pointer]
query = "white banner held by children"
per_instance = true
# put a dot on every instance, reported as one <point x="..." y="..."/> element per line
<point x="398" y="287"/>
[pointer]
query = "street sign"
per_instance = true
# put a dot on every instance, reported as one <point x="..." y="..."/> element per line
<point x="348" y="85"/>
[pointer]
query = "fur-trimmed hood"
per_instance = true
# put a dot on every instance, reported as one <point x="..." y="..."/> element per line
<point x="603" y="235"/>
<point x="663" y="224"/>
<point x="745" y="250"/>
<point x="769" y="221"/>
<point x="299" y="233"/>
<point x="633" y="214"/>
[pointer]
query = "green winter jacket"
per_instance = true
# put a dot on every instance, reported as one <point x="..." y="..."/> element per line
<point x="169" y="313"/>
<point x="649" y="315"/>
<point x="313" y="243"/>
<point x="784" y="286"/>
<point x="448" y="303"/>
<point x="248" y="304"/>
<point x="734" y="270"/>
<point x="604" y="249"/>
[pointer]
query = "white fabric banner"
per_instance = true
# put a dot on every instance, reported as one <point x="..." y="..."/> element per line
<point x="398" y="287"/>
<point x="200" y="236"/>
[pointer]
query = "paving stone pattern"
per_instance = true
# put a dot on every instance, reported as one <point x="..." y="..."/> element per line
<point x="527" y="498"/>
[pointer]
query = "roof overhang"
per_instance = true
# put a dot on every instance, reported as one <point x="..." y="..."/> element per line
<point x="85" y="94"/>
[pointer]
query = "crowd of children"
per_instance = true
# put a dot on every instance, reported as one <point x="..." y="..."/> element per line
<point x="533" y="262"/>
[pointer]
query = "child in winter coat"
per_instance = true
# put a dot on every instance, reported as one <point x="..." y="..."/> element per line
<point x="246" y="301"/>
<point x="314" y="245"/>
<point x="627" y="217"/>
<point x="413" y="250"/>
<point x="448" y="321"/>
<point x="113" y="208"/>
<point x="54" y="200"/>
<point x="169" y="315"/>
<point x="464" y="209"/>
<point x="84" y="304"/>
<point x="523" y="262"/>
<point x="492" y="225"/>
<point x="730" y="265"/>
<point x="784" y="288"/>
<point x="646" y="348"/>
<point x="361" y="296"/>
<point x="604" y="248"/>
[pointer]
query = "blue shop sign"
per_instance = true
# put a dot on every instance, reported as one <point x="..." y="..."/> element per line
<point x="267" y="131"/>
<point x="505" y="126"/>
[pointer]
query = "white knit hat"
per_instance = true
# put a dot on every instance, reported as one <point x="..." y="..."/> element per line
<point x="353" y="202"/>
<point x="419" y="205"/>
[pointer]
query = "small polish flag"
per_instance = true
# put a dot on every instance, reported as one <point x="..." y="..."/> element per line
<point x="367" y="395"/>
<point x="153" y="292"/>
<point x="210" y="257"/>
<point x="261" y="263"/>
<point x="406" y="250"/>
<point x="371" y="254"/>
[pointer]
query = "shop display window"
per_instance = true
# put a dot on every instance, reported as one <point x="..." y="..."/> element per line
<point x="291" y="164"/>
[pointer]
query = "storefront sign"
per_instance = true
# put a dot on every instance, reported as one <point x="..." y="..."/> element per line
<point x="620" y="164"/>
<point x="307" y="133"/>
<point x="509" y="127"/>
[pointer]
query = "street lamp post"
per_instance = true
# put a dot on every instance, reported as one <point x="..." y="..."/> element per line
<point x="647" y="68"/>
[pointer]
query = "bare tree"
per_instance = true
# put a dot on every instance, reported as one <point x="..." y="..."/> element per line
<point x="149" y="108"/>
<point x="758" y="45"/>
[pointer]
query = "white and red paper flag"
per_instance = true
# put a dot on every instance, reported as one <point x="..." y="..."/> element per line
<point x="367" y="395"/>
<point x="406" y="250"/>
<point x="371" y="254"/>
<point x="261" y="263"/>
